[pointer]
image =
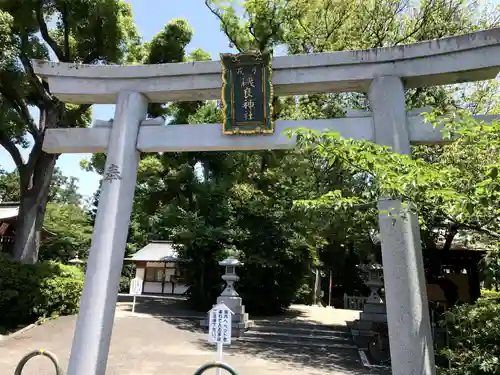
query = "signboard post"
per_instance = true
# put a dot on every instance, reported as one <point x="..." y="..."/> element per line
<point x="247" y="93"/>
<point x="135" y="290"/>
<point x="219" y="328"/>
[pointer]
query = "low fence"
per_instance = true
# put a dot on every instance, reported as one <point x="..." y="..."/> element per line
<point x="353" y="302"/>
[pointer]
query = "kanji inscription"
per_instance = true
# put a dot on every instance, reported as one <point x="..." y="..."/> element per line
<point x="247" y="93"/>
<point x="112" y="173"/>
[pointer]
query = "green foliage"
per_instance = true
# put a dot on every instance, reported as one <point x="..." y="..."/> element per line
<point x="461" y="185"/>
<point x="490" y="265"/>
<point x="29" y="292"/>
<point x="168" y="46"/>
<point x="474" y="332"/>
<point x="9" y="186"/>
<point x="69" y="233"/>
<point x="81" y="31"/>
<point x="493" y="294"/>
<point x="62" y="189"/>
<point x="287" y="213"/>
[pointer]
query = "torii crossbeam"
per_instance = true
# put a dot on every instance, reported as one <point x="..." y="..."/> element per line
<point x="384" y="73"/>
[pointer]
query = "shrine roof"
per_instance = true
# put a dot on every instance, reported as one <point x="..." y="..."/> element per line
<point x="156" y="251"/>
<point x="9" y="210"/>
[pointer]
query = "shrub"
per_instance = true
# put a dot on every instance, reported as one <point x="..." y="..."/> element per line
<point x="32" y="291"/>
<point x="474" y="332"/>
<point x="304" y="295"/>
<point x="124" y="284"/>
<point x="486" y="293"/>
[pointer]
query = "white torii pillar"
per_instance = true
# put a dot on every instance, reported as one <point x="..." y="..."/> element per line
<point x="410" y="335"/>
<point x="89" y="353"/>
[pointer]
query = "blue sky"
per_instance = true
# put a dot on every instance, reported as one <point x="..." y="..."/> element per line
<point x="150" y="16"/>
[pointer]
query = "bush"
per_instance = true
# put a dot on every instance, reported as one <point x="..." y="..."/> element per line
<point x="474" y="332"/>
<point x="304" y="295"/>
<point x="124" y="284"/>
<point x="486" y="293"/>
<point x="32" y="291"/>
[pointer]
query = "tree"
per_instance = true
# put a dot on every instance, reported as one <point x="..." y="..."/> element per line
<point x="322" y="26"/>
<point x="62" y="189"/>
<point x="304" y="26"/>
<point x="9" y="187"/>
<point x="473" y="333"/>
<point x="68" y="233"/>
<point x="462" y="186"/>
<point x="85" y="31"/>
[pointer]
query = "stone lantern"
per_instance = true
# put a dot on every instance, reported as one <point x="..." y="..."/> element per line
<point x="374" y="279"/>
<point x="374" y="307"/>
<point x="231" y="298"/>
<point x="230" y="277"/>
<point x="374" y="310"/>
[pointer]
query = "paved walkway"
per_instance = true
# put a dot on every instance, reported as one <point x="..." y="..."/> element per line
<point x="145" y="345"/>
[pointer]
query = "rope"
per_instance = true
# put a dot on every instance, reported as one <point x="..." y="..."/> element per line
<point x="221" y="365"/>
<point x="34" y="353"/>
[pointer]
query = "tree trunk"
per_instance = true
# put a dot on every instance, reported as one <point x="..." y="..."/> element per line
<point x="35" y="186"/>
<point x="450" y="236"/>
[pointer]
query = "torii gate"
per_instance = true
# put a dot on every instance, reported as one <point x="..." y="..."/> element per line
<point x="384" y="73"/>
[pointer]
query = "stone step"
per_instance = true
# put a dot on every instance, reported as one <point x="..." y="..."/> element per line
<point x="298" y="325"/>
<point x="304" y="337"/>
<point x="301" y="330"/>
<point x="285" y="340"/>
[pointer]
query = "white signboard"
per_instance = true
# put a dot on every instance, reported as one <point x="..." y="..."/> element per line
<point x="135" y="287"/>
<point x="219" y="325"/>
<point x="135" y="290"/>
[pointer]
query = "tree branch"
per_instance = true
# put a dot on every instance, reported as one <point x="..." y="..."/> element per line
<point x="33" y="157"/>
<point x="67" y="52"/>
<point x="71" y="117"/>
<point x="94" y="55"/>
<point x="224" y="26"/>
<point x="13" y="151"/>
<point x="45" y="97"/>
<point x="482" y="229"/>
<point x="45" y="33"/>
<point x="21" y="107"/>
<point x="476" y="227"/>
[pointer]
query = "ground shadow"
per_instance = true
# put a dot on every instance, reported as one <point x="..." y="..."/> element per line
<point x="176" y="312"/>
<point x="192" y="322"/>
<point x="300" y="356"/>
<point x="158" y="306"/>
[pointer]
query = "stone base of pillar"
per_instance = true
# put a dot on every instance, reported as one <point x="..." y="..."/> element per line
<point x="240" y="321"/>
<point x="362" y="329"/>
<point x="374" y="312"/>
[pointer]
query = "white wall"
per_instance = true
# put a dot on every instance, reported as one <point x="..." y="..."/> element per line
<point x="152" y="287"/>
<point x="139" y="273"/>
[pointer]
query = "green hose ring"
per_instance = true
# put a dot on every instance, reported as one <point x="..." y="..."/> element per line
<point x="210" y="365"/>
<point x="34" y="353"/>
